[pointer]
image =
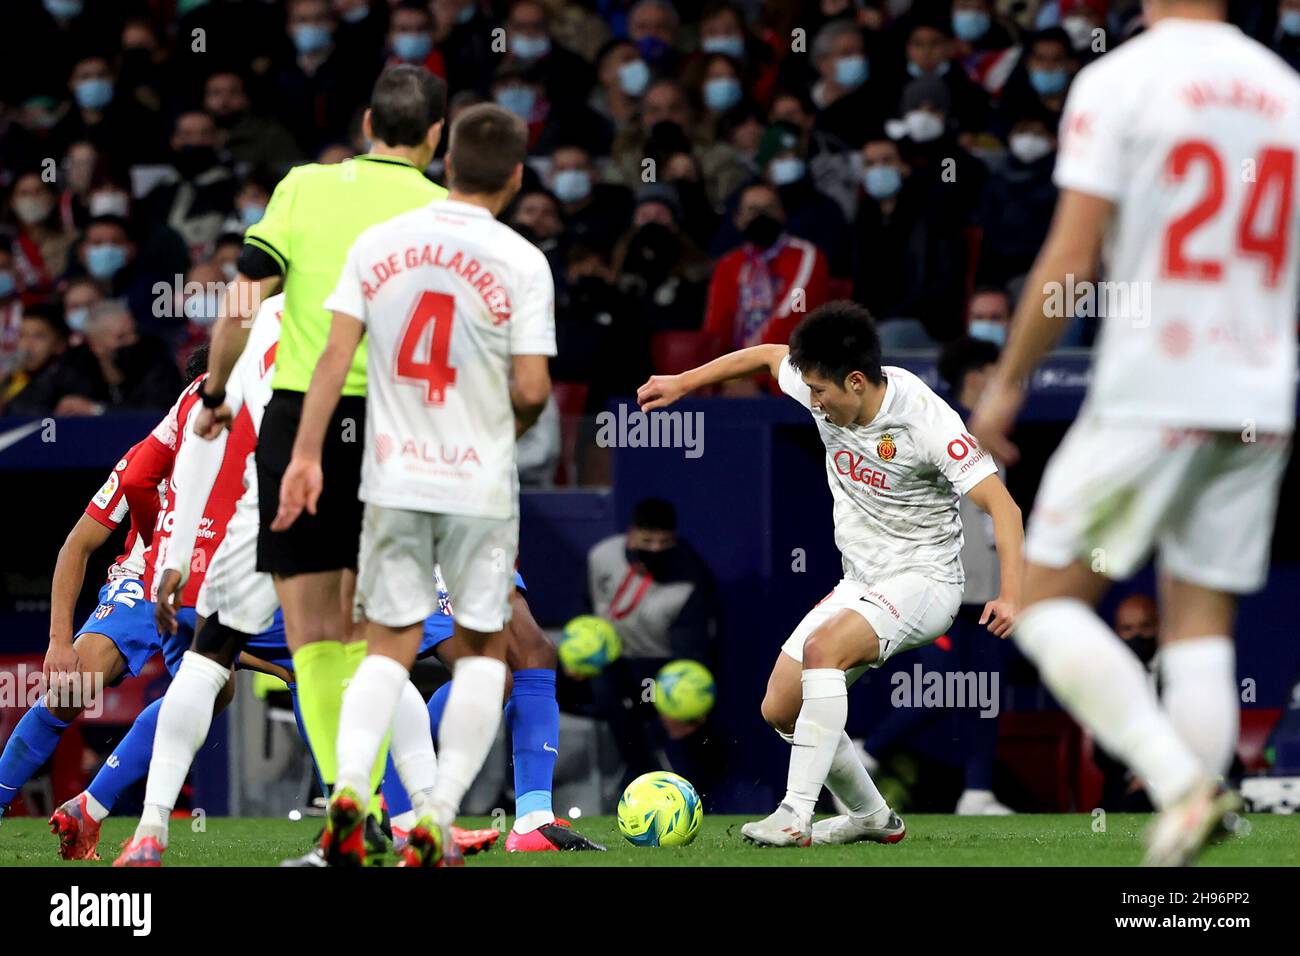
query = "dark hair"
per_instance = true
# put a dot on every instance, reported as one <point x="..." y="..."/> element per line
<point x="406" y="101"/>
<point x="415" y="6"/>
<point x="654" y="514"/>
<point x="487" y="143"/>
<point x="837" y="339"/>
<point x="50" y="315"/>
<point x="965" y="355"/>
<point x="196" y="364"/>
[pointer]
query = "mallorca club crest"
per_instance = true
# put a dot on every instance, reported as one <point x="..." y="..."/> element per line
<point x="886" y="448"/>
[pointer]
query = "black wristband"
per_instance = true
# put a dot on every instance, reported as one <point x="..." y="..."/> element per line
<point x="212" y="401"/>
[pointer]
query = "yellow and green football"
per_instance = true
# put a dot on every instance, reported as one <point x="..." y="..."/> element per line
<point x="589" y="645"/>
<point x="660" y="809"/>
<point x="684" y="690"/>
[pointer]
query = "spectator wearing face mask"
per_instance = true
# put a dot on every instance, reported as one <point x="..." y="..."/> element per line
<point x="928" y="138"/>
<point x="988" y="316"/>
<point x="1085" y="23"/>
<point x="251" y="199"/>
<point x="79" y="294"/>
<point x="763" y="289"/>
<point x="720" y="85"/>
<point x="108" y="255"/>
<point x="520" y="89"/>
<point x="32" y="386"/>
<point x="596" y="213"/>
<point x="662" y="599"/>
<point x="42" y="243"/>
<point x="200" y="301"/>
<point x="909" y="253"/>
<point x="114" y="123"/>
<point x="622" y="77"/>
<point x="811" y="214"/>
<point x="1040" y="82"/>
<point x="536" y="215"/>
<point x="983" y="43"/>
<point x="316" y="90"/>
<point x="845" y="95"/>
<point x="410" y="38"/>
<point x="653" y="25"/>
<point x="929" y="52"/>
<point x="658" y="263"/>
<point x="831" y="163"/>
<point x="722" y="30"/>
<point x="117" y="368"/>
<point x="1286" y="37"/>
<point x="11" y="309"/>
<point x="197" y="202"/>
<point x="1137" y="622"/>
<point x="250" y="139"/>
<point x="567" y="77"/>
<point x="1017" y="203"/>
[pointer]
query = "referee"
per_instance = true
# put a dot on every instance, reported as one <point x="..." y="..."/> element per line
<point x="315" y="214"/>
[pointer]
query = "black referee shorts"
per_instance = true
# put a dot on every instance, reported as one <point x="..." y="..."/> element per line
<point x="329" y="539"/>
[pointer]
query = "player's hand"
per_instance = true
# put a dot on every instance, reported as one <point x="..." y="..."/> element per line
<point x="994" y="417"/>
<point x="169" y="601"/>
<point x="211" y="421"/>
<point x="300" y="489"/>
<point x="62" y="666"/>
<point x="1000" y="615"/>
<point x="660" y="391"/>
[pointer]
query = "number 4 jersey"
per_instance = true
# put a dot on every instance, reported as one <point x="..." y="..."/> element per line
<point x="447" y="295"/>
<point x="1192" y="130"/>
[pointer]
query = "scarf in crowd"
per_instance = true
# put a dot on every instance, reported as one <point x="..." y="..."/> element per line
<point x="757" y="292"/>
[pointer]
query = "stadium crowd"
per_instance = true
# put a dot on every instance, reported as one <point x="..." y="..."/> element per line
<point x="701" y="175"/>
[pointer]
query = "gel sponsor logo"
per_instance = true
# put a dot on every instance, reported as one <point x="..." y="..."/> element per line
<point x="854" y="467"/>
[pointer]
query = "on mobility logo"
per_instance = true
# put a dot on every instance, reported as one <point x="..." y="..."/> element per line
<point x="77" y="909"/>
<point x="657" y="429"/>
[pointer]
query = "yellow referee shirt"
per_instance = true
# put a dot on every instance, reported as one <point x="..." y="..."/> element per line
<point x="314" y="216"/>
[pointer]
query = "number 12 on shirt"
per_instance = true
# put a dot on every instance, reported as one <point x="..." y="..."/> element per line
<point x="422" y="355"/>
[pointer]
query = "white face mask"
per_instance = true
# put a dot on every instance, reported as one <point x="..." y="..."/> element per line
<point x="923" y="126"/>
<point x="109" y="204"/>
<point x="1079" y="29"/>
<point x="1029" y="147"/>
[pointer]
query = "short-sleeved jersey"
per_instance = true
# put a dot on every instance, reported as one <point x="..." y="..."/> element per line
<point x="314" y="215"/>
<point x="447" y="294"/>
<point x="109" y="507"/>
<point x="1192" y="130"/>
<point x="896" y="481"/>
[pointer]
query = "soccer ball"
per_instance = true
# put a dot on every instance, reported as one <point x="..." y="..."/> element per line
<point x="684" y="691"/>
<point x="588" y="645"/>
<point x="660" y="809"/>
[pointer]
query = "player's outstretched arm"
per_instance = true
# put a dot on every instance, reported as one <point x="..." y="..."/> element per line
<point x="85" y="538"/>
<point x="229" y="335"/>
<point x="1072" y="248"/>
<point x="662" y="390"/>
<point x="992" y="497"/>
<point x="302" y="483"/>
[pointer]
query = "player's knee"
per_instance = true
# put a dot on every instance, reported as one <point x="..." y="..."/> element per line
<point x="777" y="714"/>
<point x="821" y="650"/>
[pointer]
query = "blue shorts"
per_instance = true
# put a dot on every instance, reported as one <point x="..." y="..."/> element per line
<point x="271" y="647"/>
<point x="126" y="618"/>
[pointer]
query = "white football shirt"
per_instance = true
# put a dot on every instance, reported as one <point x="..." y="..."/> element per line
<point x="1192" y="130"/>
<point x="447" y="295"/>
<point x="896" y="481"/>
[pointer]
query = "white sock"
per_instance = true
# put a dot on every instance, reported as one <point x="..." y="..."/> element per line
<point x="369" y="703"/>
<point x="412" y="750"/>
<point x="404" y="821"/>
<point x="1100" y="681"/>
<point x="848" y="779"/>
<point x="183" y="723"/>
<point x="1199" y="693"/>
<point x="469" y="726"/>
<point x="96" y="810"/>
<point x="817" y="734"/>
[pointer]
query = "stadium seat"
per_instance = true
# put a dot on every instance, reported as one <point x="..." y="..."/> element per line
<point x="674" y="352"/>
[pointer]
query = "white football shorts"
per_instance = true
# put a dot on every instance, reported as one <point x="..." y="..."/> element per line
<point x="243" y="597"/>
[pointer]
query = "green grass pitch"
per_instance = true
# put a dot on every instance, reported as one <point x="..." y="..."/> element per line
<point x="932" y="840"/>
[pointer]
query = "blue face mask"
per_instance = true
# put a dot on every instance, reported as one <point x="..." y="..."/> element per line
<point x="251" y="214"/>
<point x="203" y="309"/>
<point x="988" y="331"/>
<point x="530" y="48"/>
<point x="518" y="100"/>
<point x="916" y="72"/>
<point x="1290" y="22"/>
<point x="851" y="71"/>
<point x="63" y="9"/>
<point x="105" y="260"/>
<point x="653" y="49"/>
<point x="881" y="182"/>
<point x="7" y="284"/>
<point x="311" y="38"/>
<point x="785" y="171"/>
<point x="412" y="47"/>
<point x="1049" y="82"/>
<point x="93" y="94"/>
<point x="970" y="25"/>
<point x="571" y="185"/>
<point x="76" y="318"/>
<point x="721" y="93"/>
<point x="634" y="77"/>
<point x="732" y="46"/>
